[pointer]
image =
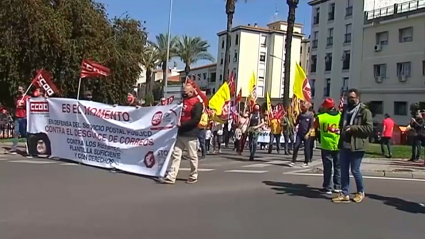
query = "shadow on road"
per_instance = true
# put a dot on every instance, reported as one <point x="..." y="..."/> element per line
<point x="294" y="189"/>
<point x="398" y="203"/>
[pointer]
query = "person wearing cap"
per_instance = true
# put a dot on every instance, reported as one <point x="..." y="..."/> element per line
<point x="328" y="124"/>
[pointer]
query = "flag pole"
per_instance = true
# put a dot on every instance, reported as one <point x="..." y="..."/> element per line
<point x="26" y="92"/>
<point x="79" y="87"/>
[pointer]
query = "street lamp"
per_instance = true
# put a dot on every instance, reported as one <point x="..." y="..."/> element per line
<point x="292" y="4"/>
<point x="165" y="77"/>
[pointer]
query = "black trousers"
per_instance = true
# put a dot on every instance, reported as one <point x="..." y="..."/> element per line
<point x="307" y="149"/>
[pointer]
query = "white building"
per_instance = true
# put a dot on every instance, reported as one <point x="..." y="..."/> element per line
<point x="204" y="76"/>
<point x="305" y="54"/>
<point x="393" y="67"/>
<point x="336" y="45"/>
<point x="262" y="51"/>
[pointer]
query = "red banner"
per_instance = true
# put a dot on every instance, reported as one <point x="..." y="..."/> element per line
<point x="93" y="69"/>
<point x="44" y="80"/>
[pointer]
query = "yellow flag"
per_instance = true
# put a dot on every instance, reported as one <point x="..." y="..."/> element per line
<point x="219" y="99"/>
<point x="302" y="89"/>
<point x="269" y="103"/>
<point x="252" y="90"/>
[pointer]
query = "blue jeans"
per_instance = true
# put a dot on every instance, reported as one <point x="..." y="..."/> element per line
<point x="330" y="160"/>
<point x="20" y="129"/>
<point x="201" y="138"/>
<point x="416" y="147"/>
<point x="351" y="159"/>
<point x="253" y="138"/>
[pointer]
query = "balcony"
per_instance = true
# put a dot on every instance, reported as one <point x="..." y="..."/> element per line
<point x="393" y="11"/>
<point x="329" y="41"/>
<point x="314" y="44"/>
<point x="347" y="38"/>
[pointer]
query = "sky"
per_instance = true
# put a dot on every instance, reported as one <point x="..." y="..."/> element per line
<point x="204" y="18"/>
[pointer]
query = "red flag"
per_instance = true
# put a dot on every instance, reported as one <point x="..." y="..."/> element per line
<point x="201" y="96"/>
<point x="232" y="84"/>
<point x="44" y="79"/>
<point x="341" y="102"/>
<point x="93" y="69"/>
<point x="239" y="97"/>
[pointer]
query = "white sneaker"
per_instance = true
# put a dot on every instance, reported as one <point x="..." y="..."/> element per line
<point x="337" y="191"/>
<point x="305" y="165"/>
<point x="29" y="157"/>
<point x="291" y="164"/>
<point x="422" y="204"/>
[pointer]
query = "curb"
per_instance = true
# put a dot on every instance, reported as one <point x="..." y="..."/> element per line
<point x="382" y="173"/>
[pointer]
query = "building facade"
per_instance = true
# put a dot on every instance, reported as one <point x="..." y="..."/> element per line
<point x="305" y="55"/>
<point x="204" y="76"/>
<point x="259" y="50"/>
<point x="393" y="67"/>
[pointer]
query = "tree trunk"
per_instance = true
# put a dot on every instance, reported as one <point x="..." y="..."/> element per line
<point x="230" y="11"/>
<point x="164" y="70"/>
<point x="288" y="45"/>
<point x="148" y="94"/>
<point x="186" y="71"/>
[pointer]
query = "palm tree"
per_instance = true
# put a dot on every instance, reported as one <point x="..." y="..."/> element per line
<point x="230" y="11"/>
<point x="288" y="45"/>
<point x="161" y="45"/>
<point x="150" y="60"/>
<point x="192" y="49"/>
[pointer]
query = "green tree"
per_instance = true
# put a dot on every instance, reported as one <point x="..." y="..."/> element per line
<point x="57" y="36"/>
<point x="150" y="60"/>
<point x="192" y="49"/>
<point x="162" y="44"/>
<point x="230" y="11"/>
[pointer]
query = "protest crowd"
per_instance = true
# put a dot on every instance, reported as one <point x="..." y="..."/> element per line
<point x="205" y="125"/>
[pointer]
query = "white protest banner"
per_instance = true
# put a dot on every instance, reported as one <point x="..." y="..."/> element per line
<point x="135" y="140"/>
<point x="264" y="137"/>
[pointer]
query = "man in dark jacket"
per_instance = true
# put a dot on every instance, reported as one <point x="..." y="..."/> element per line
<point x="356" y="126"/>
<point x="305" y="123"/>
<point x="417" y="126"/>
<point x="187" y="137"/>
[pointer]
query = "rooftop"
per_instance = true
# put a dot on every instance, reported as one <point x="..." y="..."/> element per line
<point x="200" y="67"/>
<point x="394" y="11"/>
<point x="315" y="2"/>
<point x="269" y="29"/>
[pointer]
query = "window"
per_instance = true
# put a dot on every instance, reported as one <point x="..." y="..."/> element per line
<point x="235" y="57"/>
<point x="377" y="107"/>
<point x="313" y="63"/>
<point x="382" y="38"/>
<point x="221" y="59"/>
<point x="330" y="40"/>
<point x="405" y="34"/>
<point x="400" y="108"/>
<point x="349" y="9"/>
<point x="328" y="62"/>
<point x="213" y="92"/>
<point x="347" y="33"/>
<point x="313" y="87"/>
<point x="261" y="73"/>
<point x="221" y="78"/>
<point x="316" y="16"/>
<point x="344" y="87"/>
<point x="331" y="14"/>
<point x="205" y="76"/>
<point x="222" y="44"/>
<point x="346" y="60"/>
<point x="327" y="89"/>
<point x="262" y="57"/>
<point x="404" y="69"/>
<point x="380" y="70"/>
<point x="315" y="42"/>
<point x="260" y="91"/>
<point x="263" y="41"/>
<point x="212" y="77"/>
<point x="237" y="40"/>
<point x="301" y="50"/>
<point x="199" y="77"/>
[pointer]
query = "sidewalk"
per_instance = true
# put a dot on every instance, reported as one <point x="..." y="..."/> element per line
<point x="393" y="168"/>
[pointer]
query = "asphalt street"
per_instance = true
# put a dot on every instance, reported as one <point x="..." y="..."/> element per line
<point x="47" y="199"/>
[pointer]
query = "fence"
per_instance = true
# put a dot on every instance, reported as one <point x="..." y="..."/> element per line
<point x="6" y="131"/>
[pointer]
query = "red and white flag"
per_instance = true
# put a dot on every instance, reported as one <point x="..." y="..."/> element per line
<point x="232" y="84"/>
<point x="44" y="79"/>
<point x="341" y="102"/>
<point x="199" y="93"/>
<point x="93" y="69"/>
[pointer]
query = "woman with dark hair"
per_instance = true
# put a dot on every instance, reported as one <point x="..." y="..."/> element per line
<point x="255" y="124"/>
